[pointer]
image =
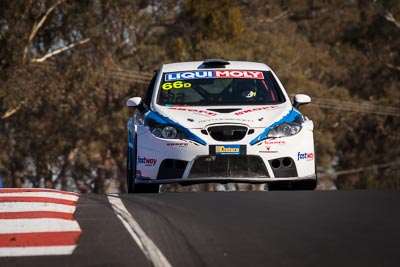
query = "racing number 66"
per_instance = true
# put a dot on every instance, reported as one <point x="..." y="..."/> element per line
<point x="175" y="85"/>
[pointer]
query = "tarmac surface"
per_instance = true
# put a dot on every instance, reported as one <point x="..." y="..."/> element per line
<point x="280" y="228"/>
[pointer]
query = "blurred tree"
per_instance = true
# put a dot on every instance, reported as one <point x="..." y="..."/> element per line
<point x="362" y="38"/>
<point x="199" y="24"/>
<point x="62" y="109"/>
<point x="66" y="68"/>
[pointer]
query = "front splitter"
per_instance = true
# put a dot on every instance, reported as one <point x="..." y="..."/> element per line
<point x="250" y="180"/>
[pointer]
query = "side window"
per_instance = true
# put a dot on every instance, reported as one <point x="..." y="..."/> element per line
<point x="274" y="85"/>
<point x="149" y="90"/>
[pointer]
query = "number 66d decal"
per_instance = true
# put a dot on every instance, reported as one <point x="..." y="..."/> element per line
<point x="175" y="85"/>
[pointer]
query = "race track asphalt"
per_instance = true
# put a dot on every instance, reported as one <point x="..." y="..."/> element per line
<point x="280" y="228"/>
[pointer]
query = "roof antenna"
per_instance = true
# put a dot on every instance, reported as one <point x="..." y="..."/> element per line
<point x="205" y="39"/>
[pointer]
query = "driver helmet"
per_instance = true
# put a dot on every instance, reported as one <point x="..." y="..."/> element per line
<point x="244" y="88"/>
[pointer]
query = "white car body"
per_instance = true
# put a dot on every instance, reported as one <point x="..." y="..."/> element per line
<point x="218" y="142"/>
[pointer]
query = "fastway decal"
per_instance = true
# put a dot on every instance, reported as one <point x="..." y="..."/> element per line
<point x="306" y="156"/>
<point x="146" y="161"/>
<point x="213" y="74"/>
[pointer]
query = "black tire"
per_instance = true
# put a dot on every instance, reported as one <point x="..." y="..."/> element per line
<point x="293" y="185"/>
<point x="145" y="188"/>
<point x="279" y="186"/>
<point x="131" y="186"/>
<point x="304" y="185"/>
<point x="131" y="166"/>
<point x="130" y="174"/>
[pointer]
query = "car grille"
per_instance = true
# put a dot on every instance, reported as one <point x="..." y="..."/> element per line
<point x="234" y="166"/>
<point x="227" y="132"/>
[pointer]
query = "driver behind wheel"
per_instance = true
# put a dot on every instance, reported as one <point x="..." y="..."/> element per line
<point x="244" y="89"/>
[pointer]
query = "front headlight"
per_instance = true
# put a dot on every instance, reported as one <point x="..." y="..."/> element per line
<point x="167" y="132"/>
<point x="284" y="129"/>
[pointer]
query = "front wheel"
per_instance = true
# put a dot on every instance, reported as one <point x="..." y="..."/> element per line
<point x="145" y="188"/>
<point x="293" y="185"/>
<point x="131" y="186"/>
<point x="130" y="172"/>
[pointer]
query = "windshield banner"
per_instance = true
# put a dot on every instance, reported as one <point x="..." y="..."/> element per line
<point x="213" y="74"/>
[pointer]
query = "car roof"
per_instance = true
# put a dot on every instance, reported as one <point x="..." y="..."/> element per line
<point x="199" y="65"/>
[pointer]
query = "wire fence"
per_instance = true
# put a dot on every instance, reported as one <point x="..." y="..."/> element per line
<point x="133" y="76"/>
<point x="130" y="75"/>
<point x="363" y="107"/>
<point x="393" y="164"/>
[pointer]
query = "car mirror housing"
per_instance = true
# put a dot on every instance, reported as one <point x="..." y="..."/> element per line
<point x="301" y="99"/>
<point x="133" y="102"/>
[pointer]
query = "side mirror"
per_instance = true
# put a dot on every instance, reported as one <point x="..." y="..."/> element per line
<point x="133" y="102"/>
<point x="300" y="100"/>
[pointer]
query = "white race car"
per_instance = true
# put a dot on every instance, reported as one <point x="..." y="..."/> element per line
<point x="219" y="121"/>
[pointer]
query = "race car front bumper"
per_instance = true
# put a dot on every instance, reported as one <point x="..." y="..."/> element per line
<point x="223" y="180"/>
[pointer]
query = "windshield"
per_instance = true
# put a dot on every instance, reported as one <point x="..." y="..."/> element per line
<point x="219" y="87"/>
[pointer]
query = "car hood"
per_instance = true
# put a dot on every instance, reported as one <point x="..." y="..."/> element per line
<point x="200" y="117"/>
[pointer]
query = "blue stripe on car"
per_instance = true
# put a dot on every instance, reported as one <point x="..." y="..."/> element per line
<point x="290" y="117"/>
<point x="160" y="119"/>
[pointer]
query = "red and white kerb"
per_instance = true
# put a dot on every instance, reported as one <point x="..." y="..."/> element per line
<point x="37" y="222"/>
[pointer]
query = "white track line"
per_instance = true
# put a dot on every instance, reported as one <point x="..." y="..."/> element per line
<point x="35" y="206"/>
<point x="151" y="251"/>
<point x="37" y="225"/>
<point x="36" y="251"/>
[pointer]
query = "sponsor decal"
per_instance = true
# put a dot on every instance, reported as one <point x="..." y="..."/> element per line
<point x="213" y="74"/>
<point x="227" y="150"/>
<point x="268" y="150"/>
<point x="278" y="142"/>
<point x="238" y="113"/>
<point x="146" y="161"/>
<point x="225" y="119"/>
<point x="306" y="156"/>
<point x="177" y="144"/>
<point x="269" y="145"/>
<point x="188" y="75"/>
<point x="175" y="85"/>
<point x="238" y="74"/>
<point x="205" y="112"/>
